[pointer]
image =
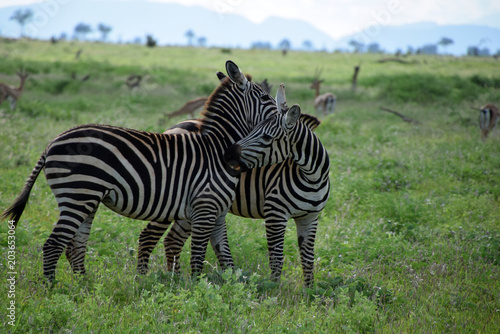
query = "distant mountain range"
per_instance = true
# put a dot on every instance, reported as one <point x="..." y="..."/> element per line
<point x="168" y="24"/>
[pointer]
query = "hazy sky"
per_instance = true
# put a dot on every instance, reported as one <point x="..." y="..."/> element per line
<point x="341" y="17"/>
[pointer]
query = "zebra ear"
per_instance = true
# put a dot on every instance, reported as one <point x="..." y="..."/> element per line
<point x="292" y="116"/>
<point x="235" y="74"/>
<point x="221" y="76"/>
<point x="281" y="99"/>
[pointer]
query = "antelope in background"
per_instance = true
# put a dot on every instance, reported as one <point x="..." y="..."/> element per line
<point x="74" y="76"/>
<point x="190" y="107"/>
<point x="325" y="102"/>
<point x="488" y="119"/>
<point x="193" y="105"/>
<point x="13" y="93"/>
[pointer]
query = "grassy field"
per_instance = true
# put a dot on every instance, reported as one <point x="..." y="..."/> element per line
<point x="408" y="243"/>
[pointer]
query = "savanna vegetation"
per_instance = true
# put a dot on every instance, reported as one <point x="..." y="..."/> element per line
<point x="408" y="243"/>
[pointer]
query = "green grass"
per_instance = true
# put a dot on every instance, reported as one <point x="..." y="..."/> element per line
<point x="409" y="241"/>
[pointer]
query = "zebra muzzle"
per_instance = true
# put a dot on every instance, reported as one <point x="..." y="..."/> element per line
<point x="235" y="167"/>
<point x="232" y="158"/>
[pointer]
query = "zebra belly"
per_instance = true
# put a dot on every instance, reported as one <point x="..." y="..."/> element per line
<point x="272" y="190"/>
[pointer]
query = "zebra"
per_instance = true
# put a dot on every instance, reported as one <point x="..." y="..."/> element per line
<point x="295" y="188"/>
<point x="136" y="174"/>
<point x="274" y="140"/>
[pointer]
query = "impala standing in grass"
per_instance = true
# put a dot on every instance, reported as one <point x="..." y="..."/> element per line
<point x="12" y="94"/>
<point x="323" y="103"/>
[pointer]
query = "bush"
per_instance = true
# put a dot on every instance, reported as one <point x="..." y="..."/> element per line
<point x="427" y="88"/>
<point x="150" y="41"/>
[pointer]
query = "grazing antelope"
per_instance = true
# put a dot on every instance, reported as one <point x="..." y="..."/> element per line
<point x="193" y="105"/>
<point x="78" y="53"/>
<point x="13" y="93"/>
<point x="190" y="107"/>
<point x="488" y="119"/>
<point x="324" y="102"/>
<point x="133" y="81"/>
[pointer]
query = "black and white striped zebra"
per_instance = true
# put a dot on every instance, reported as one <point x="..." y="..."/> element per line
<point x="147" y="176"/>
<point x="297" y="189"/>
<point x="305" y="189"/>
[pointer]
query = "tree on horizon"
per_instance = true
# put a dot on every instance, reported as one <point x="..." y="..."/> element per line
<point x="202" y="41"/>
<point x="105" y="30"/>
<point x="82" y="29"/>
<point x="307" y="45"/>
<point x="444" y="42"/>
<point x="22" y="17"/>
<point x="285" y="45"/>
<point x="190" y="35"/>
<point x="358" y="46"/>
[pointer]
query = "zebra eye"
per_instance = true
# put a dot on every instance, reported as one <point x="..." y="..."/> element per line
<point x="267" y="137"/>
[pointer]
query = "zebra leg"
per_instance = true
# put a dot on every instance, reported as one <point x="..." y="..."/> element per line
<point x="147" y="242"/>
<point x="174" y="241"/>
<point x="71" y="216"/>
<point x="76" y="249"/>
<point x="201" y="232"/>
<point x="275" y="232"/>
<point x="180" y="232"/>
<point x="306" y="235"/>
<point x="220" y="244"/>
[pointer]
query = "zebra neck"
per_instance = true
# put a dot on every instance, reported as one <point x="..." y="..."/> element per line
<point x="225" y="114"/>
<point x="312" y="159"/>
<point x="222" y="134"/>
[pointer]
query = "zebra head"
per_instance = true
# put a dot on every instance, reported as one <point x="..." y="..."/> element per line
<point x="270" y="142"/>
<point x="236" y="106"/>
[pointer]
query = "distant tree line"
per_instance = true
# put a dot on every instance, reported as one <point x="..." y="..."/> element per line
<point x="81" y="30"/>
<point x="429" y="49"/>
<point x="358" y="47"/>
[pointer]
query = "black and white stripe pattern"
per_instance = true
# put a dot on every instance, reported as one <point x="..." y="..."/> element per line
<point x="304" y="186"/>
<point x="147" y="176"/>
<point x="297" y="188"/>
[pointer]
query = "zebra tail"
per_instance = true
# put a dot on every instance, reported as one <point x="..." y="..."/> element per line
<point x="16" y="209"/>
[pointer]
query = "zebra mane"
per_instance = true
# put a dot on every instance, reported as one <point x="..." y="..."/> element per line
<point x="225" y="84"/>
<point x="310" y="121"/>
<point x="225" y="112"/>
<point x="210" y="114"/>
